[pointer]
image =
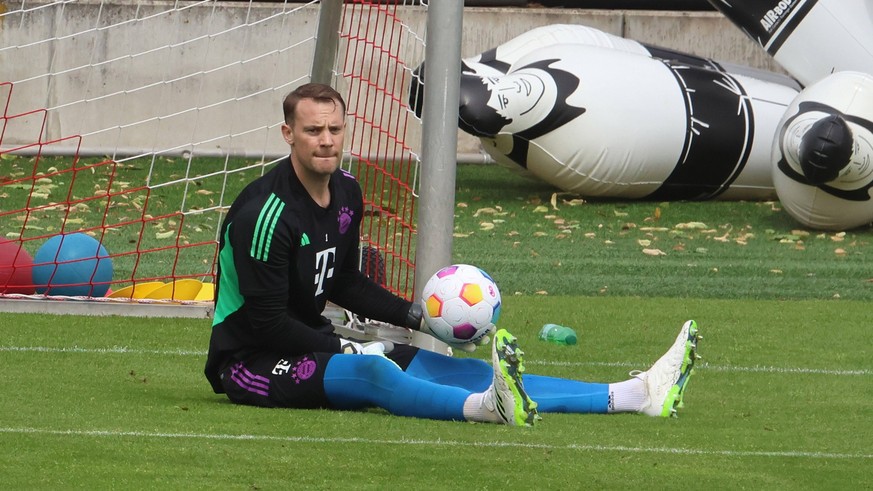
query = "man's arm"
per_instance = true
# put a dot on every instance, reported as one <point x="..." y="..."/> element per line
<point x="363" y="296"/>
<point x="276" y="330"/>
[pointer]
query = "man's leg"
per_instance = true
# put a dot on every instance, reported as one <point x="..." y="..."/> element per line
<point x="552" y="394"/>
<point x="648" y="392"/>
<point x="358" y="381"/>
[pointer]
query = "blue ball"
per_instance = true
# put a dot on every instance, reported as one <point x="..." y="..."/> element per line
<point x="72" y="265"/>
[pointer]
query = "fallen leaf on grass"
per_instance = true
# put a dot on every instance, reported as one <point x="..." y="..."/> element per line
<point x="690" y="225"/>
<point x="488" y="211"/>
<point x="654" y="252"/>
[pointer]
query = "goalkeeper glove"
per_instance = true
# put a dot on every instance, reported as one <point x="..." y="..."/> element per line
<point x="378" y="348"/>
<point x="349" y="347"/>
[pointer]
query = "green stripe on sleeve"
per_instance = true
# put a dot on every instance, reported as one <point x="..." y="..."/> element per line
<point x="229" y="298"/>
<point x="266" y="224"/>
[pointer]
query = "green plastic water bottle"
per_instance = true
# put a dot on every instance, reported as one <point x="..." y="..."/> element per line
<point x="554" y="333"/>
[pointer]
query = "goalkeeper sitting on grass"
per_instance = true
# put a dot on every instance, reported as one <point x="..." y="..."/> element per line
<point x="290" y="244"/>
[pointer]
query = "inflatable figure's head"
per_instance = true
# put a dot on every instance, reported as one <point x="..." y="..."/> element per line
<point x="490" y="104"/>
<point x="823" y="153"/>
<point x="529" y="101"/>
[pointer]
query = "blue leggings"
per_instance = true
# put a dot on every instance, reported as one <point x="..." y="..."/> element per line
<point x="553" y="395"/>
<point x="435" y="386"/>
<point x="359" y="381"/>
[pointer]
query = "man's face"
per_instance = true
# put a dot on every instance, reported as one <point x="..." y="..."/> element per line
<point x="316" y="137"/>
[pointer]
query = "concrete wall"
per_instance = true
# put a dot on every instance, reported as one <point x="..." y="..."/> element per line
<point x="198" y="90"/>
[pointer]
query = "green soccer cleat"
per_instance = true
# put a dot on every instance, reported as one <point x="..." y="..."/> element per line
<point x="512" y="403"/>
<point x="667" y="380"/>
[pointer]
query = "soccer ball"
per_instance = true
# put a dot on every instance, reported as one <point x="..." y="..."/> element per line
<point x="461" y="304"/>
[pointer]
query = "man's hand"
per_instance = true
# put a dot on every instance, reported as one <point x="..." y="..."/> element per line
<point x="378" y="348"/>
<point x="349" y="347"/>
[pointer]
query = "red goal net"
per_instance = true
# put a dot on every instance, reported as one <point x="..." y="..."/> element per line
<point x="125" y="137"/>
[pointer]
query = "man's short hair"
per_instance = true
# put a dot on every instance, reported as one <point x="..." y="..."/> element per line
<point x="317" y="92"/>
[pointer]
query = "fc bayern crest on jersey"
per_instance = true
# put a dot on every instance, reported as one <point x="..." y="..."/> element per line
<point x="303" y="370"/>
<point x="345" y="219"/>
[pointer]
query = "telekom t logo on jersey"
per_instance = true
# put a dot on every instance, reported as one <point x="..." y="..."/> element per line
<point x="323" y="268"/>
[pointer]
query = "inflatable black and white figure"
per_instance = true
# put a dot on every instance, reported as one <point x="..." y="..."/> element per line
<point x="823" y="154"/>
<point x="809" y="38"/>
<point x="604" y="116"/>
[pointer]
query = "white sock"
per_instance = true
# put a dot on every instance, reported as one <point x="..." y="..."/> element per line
<point x="627" y="396"/>
<point x="476" y="409"/>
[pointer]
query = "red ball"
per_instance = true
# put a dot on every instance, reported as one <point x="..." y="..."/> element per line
<point x="16" y="269"/>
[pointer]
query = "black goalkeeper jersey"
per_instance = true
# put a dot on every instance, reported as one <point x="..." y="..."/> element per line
<point x="281" y="258"/>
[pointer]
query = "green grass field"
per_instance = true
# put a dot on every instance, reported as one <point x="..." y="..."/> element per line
<point x="783" y="397"/>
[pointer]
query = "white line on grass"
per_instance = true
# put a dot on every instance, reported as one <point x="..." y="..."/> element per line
<point x="114" y="350"/>
<point x="716" y="368"/>
<point x="435" y="443"/>
<point x="706" y="366"/>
